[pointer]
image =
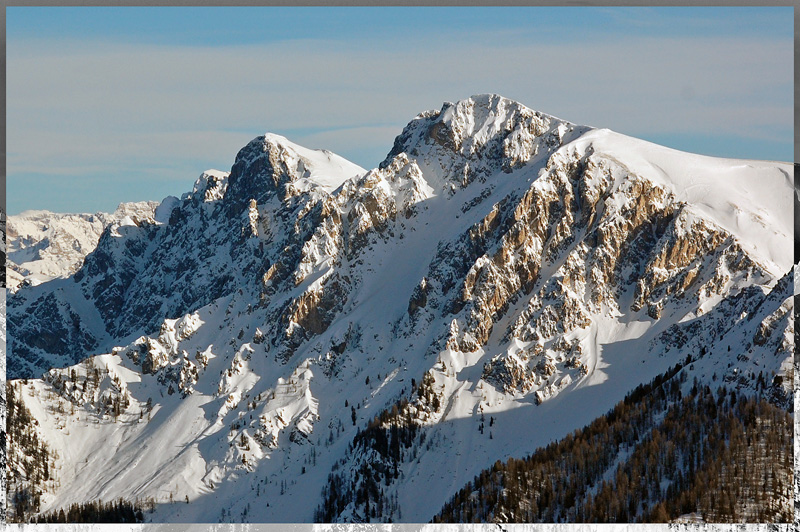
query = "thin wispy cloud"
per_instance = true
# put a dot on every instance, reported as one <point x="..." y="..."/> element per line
<point x="126" y="106"/>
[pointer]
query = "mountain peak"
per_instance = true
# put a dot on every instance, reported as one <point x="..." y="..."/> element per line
<point x="321" y="167"/>
<point x="481" y="135"/>
<point x="486" y="116"/>
<point x="486" y="110"/>
<point x="267" y="163"/>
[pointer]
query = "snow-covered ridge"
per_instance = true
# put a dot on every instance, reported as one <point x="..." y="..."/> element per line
<point x="320" y="167"/>
<point x="748" y="198"/>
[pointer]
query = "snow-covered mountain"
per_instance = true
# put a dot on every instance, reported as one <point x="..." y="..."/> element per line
<point x="500" y="263"/>
<point x="43" y="245"/>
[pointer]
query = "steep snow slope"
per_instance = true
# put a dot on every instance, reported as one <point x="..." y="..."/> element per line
<point x="527" y="270"/>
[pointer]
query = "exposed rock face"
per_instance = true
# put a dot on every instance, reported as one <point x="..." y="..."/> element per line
<point x="497" y="258"/>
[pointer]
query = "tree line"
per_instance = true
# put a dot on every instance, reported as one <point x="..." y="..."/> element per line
<point x="657" y="455"/>
<point x="119" y="511"/>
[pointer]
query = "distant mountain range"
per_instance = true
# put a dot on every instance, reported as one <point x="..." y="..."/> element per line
<point x="44" y="245"/>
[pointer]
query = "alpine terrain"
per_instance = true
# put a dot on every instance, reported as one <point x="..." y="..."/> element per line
<point x="300" y="339"/>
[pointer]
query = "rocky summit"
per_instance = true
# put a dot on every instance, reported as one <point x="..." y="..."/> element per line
<point x="503" y="278"/>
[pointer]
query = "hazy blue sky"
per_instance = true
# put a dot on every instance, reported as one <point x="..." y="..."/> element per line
<point x="124" y="104"/>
